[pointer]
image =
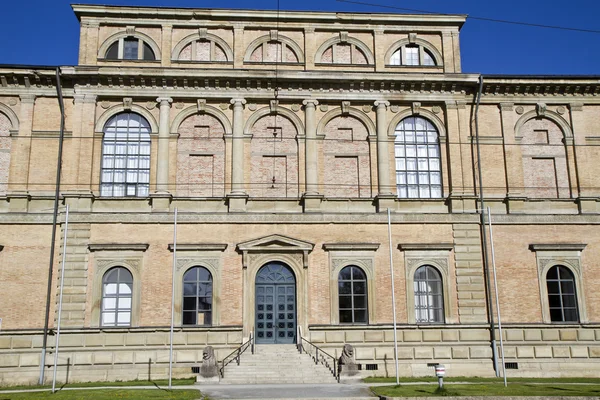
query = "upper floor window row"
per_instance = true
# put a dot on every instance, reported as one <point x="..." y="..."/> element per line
<point x="273" y="48"/>
<point x="130" y="48"/>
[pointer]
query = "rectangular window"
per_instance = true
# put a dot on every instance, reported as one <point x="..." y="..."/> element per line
<point x="130" y="49"/>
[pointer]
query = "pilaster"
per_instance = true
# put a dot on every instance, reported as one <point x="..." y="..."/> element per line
<point x="238" y="197"/>
<point x="167" y="34"/>
<point x="21" y="147"/>
<point x="162" y="173"/>
<point x="87" y="143"/>
<point x="513" y="159"/>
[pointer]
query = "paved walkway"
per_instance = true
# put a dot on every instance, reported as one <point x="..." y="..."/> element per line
<point x="239" y="392"/>
<point x="288" y="391"/>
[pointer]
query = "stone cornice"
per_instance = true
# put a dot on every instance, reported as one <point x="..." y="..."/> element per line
<point x="198" y="246"/>
<point x="118" y="247"/>
<point x="350" y="246"/>
<point x="425" y="246"/>
<point x="557" y="246"/>
<point x="193" y="15"/>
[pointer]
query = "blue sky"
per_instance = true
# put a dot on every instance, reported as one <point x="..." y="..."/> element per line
<point x="45" y="32"/>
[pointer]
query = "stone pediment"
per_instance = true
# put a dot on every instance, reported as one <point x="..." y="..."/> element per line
<point x="275" y="243"/>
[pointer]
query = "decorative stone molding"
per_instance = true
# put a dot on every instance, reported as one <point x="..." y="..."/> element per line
<point x="506" y="106"/>
<point x="275" y="244"/>
<point x="540" y="109"/>
<point x="557" y="246"/>
<point x="356" y="113"/>
<point x="130" y="30"/>
<point x="274" y="35"/>
<point x="416" y="108"/>
<point x="127" y="103"/>
<point x="561" y="110"/>
<point x="426" y="246"/>
<point x="273" y="105"/>
<point x="324" y="107"/>
<point x="343" y="37"/>
<point x="126" y="33"/>
<point x="202" y="33"/>
<point x="412" y="38"/>
<point x="206" y="109"/>
<point x="198" y="246"/>
<point x="118" y="247"/>
<point x="346" y="39"/>
<point x="351" y="246"/>
<point x="201" y="106"/>
<point x="291" y="44"/>
<point x="520" y="110"/>
<point x="279" y="110"/>
<point x="576" y="106"/>
<point x="345" y="108"/>
<point x="395" y="109"/>
<point x="436" y="109"/>
<point x="12" y="102"/>
<point x="295" y="107"/>
<point x="252" y="106"/>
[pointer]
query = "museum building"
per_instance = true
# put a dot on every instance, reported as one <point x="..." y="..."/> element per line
<point x="308" y="155"/>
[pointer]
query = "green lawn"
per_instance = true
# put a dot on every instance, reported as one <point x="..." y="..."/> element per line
<point x="158" y="382"/>
<point x="482" y="380"/>
<point x="106" y="394"/>
<point x="491" y="389"/>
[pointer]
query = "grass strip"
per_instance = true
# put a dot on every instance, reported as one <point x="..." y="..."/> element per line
<point x="490" y="389"/>
<point x="482" y="380"/>
<point x="107" y="394"/>
<point x="158" y="382"/>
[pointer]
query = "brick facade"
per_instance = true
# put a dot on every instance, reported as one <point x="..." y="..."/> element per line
<point x="281" y="147"/>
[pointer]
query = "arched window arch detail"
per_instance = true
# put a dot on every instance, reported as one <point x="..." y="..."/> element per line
<point x="274" y="48"/>
<point x="129" y="46"/>
<point x="6" y="131"/>
<point x="202" y="47"/>
<point x="125" y="168"/>
<point x="418" y="159"/>
<point x="417" y="52"/>
<point x="353" y="296"/>
<point x="544" y="140"/>
<point x="348" y="50"/>
<point x="429" y="295"/>
<point x="562" y="294"/>
<point x="117" y="297"/>
<point x="197" y="296"/>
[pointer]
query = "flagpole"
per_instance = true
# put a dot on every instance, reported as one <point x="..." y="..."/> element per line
<point x="173" y="299"/>
<point x="393" y="295"/>
<point x="60" y="298"/>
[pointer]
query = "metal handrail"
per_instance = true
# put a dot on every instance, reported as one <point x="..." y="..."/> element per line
<point x="320" y="356"/>
<point x="235" y="355"/>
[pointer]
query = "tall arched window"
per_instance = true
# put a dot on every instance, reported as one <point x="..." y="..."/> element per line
<point x="429" y="299"/>
<point x="117" y="288"/>
<point x="417" y="154"/>
<point x="352" y="289"/>
<point x="197" y="296"/>
<point x="126" y="156"/>
<point x="562" y="295"/>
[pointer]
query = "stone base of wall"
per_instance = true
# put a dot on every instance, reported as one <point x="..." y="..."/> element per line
<point x="466" y="350"/>
<point x="143" y="353"/>
<point x="111" y="355"/>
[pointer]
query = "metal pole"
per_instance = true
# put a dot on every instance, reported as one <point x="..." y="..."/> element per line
<point x="393" y="295"/>
<point x="497" y="300"/>
<point x="173" y="299"/>
<point x="488" y="294"/>
<point x="60" y="298"/>
<point x="54" y="218"/>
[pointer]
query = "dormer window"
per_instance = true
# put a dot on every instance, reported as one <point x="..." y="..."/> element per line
<point x="412" y="55"/>
<point x="130" y="48"/>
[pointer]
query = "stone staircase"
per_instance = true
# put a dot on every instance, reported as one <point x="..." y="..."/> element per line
<point x="276" y="364"/>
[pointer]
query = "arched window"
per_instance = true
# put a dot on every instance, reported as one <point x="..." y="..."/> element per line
<point x="352" y="289"/>
<point x="412" y="55"/>
<point x="197" y="296"/>
<point x="117" y="288"/>
<point x="562" y="296"/>
<point x="126" y="156"/>
<point x="429" y="299"/>
<point x="417" y="154"/>
<point x="130" y="48"/>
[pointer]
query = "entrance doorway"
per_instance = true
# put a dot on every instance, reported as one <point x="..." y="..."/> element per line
<point x="275" y="304"/>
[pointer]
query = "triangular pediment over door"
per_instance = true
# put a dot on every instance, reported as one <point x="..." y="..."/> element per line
<point x="275" y="244"/>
